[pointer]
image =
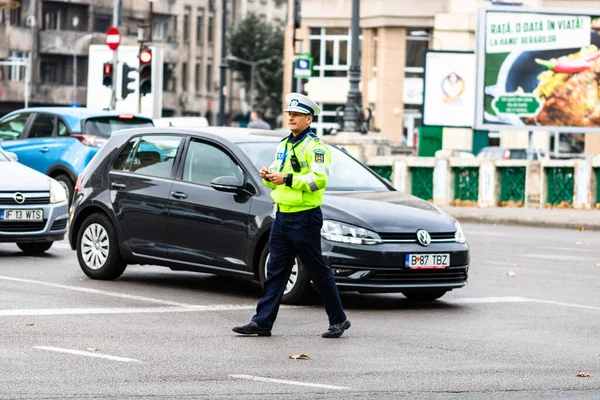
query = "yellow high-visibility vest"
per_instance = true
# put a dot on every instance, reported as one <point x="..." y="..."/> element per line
<point x="309" y="184"/>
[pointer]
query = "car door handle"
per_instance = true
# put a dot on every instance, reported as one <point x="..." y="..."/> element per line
<point x="179" y="195"/>
<point x="44" y="149"/>
<point x="119" y="185"/>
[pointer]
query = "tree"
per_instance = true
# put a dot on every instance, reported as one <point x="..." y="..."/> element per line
<point x="253" y="39"/>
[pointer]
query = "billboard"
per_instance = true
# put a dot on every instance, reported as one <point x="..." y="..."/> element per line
<point x="449" y="89"/>
<point x="537" y="69"/>
<point x="98" y="96"/>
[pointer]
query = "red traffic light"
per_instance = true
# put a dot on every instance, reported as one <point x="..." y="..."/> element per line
<point x="145" y="56"/>
<point x="107" y="69"/>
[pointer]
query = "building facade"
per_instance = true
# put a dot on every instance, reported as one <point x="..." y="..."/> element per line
<point x="394" y="37"/>
<point x="54" y="36"/>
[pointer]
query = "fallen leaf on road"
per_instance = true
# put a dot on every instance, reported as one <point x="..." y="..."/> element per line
<point x="513" y="265"/>
<point x="582" y="243"/>
<point x="300" y="357"/>
<point x="583" y="374"/>
<point x="30" y="325"/>
<point x="511" y="273"/>
<point x="597" y="265"/>
<point x="90" y="349"/>
<point x="581" y="228"/>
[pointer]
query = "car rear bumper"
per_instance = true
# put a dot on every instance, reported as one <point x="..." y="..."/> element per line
<point x="381" y="268"/>
<point x="51" y="229"/>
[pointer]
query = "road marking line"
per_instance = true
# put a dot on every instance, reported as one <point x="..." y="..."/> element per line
<point x="580" y="249"/>
<point x="87" y="354"/>
<point x="124" y="310"/>
<point x="558" y="257"/>
<point x="102" y="292"/>
<point x="572" y="305"/>
<point x="271" y="380"/>
<point x="476" y="300"/>
<point x="62" y="245"/>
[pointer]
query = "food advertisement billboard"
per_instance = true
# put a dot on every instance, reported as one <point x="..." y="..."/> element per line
<point x="449" y="89"/>
<point x="538" y="69"/>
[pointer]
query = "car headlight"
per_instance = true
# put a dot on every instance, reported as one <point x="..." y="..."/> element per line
<point x="344" y="233"/>
<point x="459" y="236"/>
<point x="58" y="194"/>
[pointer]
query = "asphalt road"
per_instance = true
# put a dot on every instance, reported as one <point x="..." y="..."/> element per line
<point x="523" y="328"/>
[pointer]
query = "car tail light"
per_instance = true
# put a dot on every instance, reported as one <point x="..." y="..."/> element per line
<point x="78" y="184"/>
<point x="125" y="116"/>
<point x="91" y="140"/>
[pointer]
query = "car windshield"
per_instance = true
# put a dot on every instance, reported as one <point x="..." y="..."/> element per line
<point x="105" y="126"/>
<point x="346" y="174"/>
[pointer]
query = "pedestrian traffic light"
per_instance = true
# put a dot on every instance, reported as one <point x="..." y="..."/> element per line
<point x="107" y="74"/>
<point x="145" y="71"/>
<point x="297" y="14"/>
<point x="126" y="80"/>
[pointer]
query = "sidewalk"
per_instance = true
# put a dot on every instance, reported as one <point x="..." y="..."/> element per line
<point x="549" y="218"/>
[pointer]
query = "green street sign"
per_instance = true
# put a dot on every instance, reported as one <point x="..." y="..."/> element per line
<point x="303" y="66"/>
<point x="521" y="105"/>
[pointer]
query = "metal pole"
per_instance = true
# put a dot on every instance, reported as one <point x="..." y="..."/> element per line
<point x="223" y="65"/>
<point x="116" y="20"/>
<point x="27" y="82"/>
<point x="252" y="69"/>
<point x="299" y="80"/>
<point x="354" y="96"/>
<point x="74" y="77"/>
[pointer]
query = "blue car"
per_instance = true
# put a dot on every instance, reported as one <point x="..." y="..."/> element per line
<point x="61" y="141"/>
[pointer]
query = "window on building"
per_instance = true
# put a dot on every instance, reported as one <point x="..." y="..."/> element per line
<point x="330" y="50"/>
<point x="160" y="29"/>
<point x="198" y="77"/>
<point x="326" y="120"/>
<point x="211" y="26"/>
<point x="199" y="26"/>
<point x="15" y="16"/>
<point x="375" y="53"/>
<point x="48" y="72"/>
<point x="208" y="78"/>
<point x="186" y="27"/>
<point x="102" y="23"/>
<point x="417" y="42"/>
<point x="184" y="76"/>
<point x="16" y="72"/>
<point x="52" y="20"/>
<point x="2" y="19"/>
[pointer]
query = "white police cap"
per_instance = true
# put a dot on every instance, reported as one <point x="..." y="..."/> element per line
<point x="300" y="103"/>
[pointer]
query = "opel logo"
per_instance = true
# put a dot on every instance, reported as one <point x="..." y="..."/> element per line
<point x="19" y="198"/>
<point x="423" y="237"/>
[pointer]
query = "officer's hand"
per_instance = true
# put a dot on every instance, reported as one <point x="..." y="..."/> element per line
<point x="264" y="171"/>
<point x="276" y="177"/>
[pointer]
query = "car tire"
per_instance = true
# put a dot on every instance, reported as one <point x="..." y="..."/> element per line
<point x="298" y="286"/>
<point x="66" y="183"/>
<point x="429" y="295"/>
<point x="98" y="249"/>
<point x="35" y="247"/>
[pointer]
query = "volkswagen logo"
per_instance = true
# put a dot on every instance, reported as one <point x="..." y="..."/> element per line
<point x="19" y="198"/>
<point x="423" y="237"/>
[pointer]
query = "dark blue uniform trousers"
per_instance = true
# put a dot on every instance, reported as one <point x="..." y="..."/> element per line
<point x="299" y="234"/>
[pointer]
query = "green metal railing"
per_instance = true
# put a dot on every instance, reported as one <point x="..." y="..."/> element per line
<point x="466" y="185"/>
<point x="512" y="186"/>
<point x="561" y="181"/>
<point x="385" y="171"/>
<point x="422" y="182"/>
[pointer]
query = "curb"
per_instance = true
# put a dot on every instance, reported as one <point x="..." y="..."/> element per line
<point x="533" y="222"/>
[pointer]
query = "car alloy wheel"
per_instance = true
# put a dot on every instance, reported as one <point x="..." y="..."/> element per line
<point x="95" y="246"/>
<point x="289" y="286"/>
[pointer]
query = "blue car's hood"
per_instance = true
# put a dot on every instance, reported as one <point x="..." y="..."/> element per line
<point x="17" y="177"/>
<point x="386" y="212"/>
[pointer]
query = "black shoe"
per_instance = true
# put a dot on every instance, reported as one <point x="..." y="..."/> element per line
<point x="337" y="330"/>
<point x="252" y="329"/>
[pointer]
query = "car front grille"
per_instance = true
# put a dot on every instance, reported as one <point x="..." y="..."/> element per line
<point x="22" y="226"/>
<point x="59" y="225"/>
<point x="8" y="198"/>
<point x="411" y="237"/>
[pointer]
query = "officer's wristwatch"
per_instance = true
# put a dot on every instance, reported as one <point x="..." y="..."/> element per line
<point x="288" y="179"/>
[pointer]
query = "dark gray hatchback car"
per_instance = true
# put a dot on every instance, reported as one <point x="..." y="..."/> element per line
<point x="193" y="200"/>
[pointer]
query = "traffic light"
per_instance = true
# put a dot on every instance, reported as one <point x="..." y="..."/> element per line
<point x="107" y="74"/>
<point x="297" y="14"/>
<point x="126" y="80"/>
<point x="145" y="70"/>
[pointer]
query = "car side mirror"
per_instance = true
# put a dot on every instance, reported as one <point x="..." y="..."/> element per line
<point x="12" y="156"/>
<point x="229" y="184"/>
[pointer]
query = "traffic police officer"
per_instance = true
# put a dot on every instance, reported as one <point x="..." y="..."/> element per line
<point x="298" y="177"/>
